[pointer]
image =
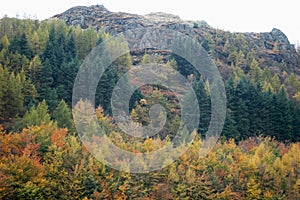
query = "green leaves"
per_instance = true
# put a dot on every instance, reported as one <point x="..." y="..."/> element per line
<point x="63" y="116"/>
<point x="37" y="116"/>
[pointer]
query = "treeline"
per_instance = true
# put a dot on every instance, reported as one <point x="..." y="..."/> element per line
<point x="251" y="112"/>
<point x="45" y="162"/>
<point x="39" y="61"/>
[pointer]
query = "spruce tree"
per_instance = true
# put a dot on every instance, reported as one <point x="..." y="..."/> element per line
<point x="204" y="105"/>
<point x="105" y="88"/>
<point x="71" y="49"/>
<point x="240" y="109"/>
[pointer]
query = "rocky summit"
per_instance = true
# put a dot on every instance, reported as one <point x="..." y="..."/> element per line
<point x="271" y="49"/>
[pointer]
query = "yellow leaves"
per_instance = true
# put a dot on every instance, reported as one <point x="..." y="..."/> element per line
<point x="148" y="145"/>
<point x="253" y="170"/>
<point x="297" y="97"/>
<point x="260" y="151"/>
<point x="143" y="102"/>
<point x="146" y="59"/>
<point x="190" y="176"/>
<point x="297" y="188"/>
<point x="276" y="85"/>
<point x="291" y="160"/>
<point x="134" y="116"/>
<point x="267" y="86"/>
<point x="268" y="194"/>
<point x="173" y="176"/>
<point x="21" y="171"/>
<point x="277" y="165"/>
<point x="253" y="191"/>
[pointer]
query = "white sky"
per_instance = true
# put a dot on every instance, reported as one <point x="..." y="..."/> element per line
<point x="232" y="15"/>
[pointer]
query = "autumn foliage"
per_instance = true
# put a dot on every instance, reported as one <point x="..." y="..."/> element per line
<point x="33" y="167"/>
<point x="42" y="155"/>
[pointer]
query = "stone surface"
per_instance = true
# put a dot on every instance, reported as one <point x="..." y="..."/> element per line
<point x="273" y="48"/>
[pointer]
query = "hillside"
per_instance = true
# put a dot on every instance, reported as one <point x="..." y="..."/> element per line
<point x="56" y="145"/>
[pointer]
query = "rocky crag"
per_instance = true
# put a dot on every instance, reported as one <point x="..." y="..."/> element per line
<point x="271" y="49"/>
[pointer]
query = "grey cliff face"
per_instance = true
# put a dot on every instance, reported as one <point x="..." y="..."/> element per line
<point x="274" y="46"/>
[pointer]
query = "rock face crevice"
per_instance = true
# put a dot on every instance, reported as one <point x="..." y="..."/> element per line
<point x="273" y="48"/>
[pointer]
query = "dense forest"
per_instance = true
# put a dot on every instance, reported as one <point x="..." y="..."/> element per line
<point x="42" y="157"/>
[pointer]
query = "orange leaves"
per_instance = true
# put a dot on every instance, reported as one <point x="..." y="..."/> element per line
<point x="20" y="168"/>
<point x="99" y="112"/>
<point x="283" y="149"/>
<point x="123" y="188"/>
<point x="30" y="151"/>
<point x="14" y="144"/>
<point x="58" y="137"/>
<point x="229" y="194"/>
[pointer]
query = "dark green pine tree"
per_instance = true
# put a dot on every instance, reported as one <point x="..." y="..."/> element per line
<point x="14" y="45"/>
<point x="61" y="50"/>
<point x="59" y="55"/>
<point x="267" y="115"/>
<point x="46" y="90"/>
<point x="295" y="111"/>
<point x="24" y="47"/>
<point x="230" y="91"/>
<point x="20" y="45"/>
<point x="52" y="98"/>
<point x="240" y="109"/>
<point x="46" y="79"/>
<point x="105" y="87"/>
<point x="256" y="109"/>
<point x="230" y="126"/>
<point x="68" y="71"/>
<point x="28" y="90"/>
<point x="51" y="50"/>
<point x="204" y="105"/>
<point x="71" y="48"/>
<point x="282" y="117"/>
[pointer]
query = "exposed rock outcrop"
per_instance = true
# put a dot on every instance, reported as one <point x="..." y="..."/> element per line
<point x="273" y="48"/>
